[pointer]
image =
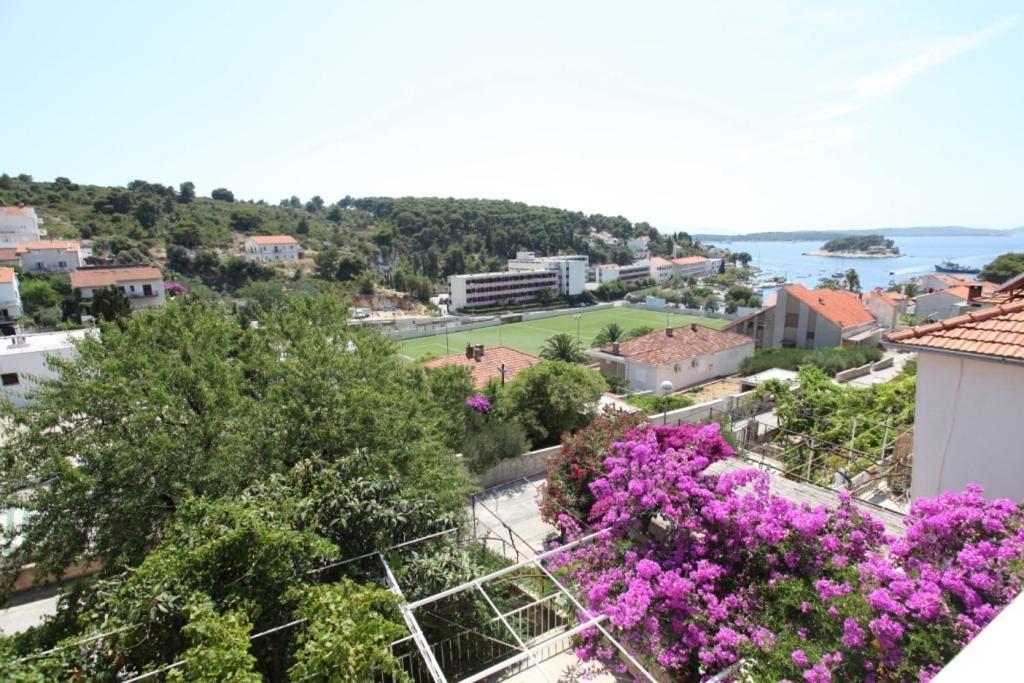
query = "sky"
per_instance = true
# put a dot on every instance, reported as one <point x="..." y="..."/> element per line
<point x="703" y="116"/>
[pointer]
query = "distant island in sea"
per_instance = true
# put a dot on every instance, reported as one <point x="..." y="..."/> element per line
<point x="858" y="246"/>
<point x="808" y="235"/>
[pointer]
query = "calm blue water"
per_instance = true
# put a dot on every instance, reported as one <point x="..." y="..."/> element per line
<point x="919" y="256"/>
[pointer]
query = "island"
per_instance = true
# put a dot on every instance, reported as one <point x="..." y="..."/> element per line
<point x="858" y="246"/>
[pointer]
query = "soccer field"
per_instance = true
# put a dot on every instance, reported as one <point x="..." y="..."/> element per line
<point x="529" y="337"/>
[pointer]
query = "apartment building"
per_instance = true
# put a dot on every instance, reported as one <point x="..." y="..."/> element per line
<point x="571" y="269"/>
<point x="143" y="285"/>
<point x="10" y="297"/>
<point x="266" y="248"/>
<point x="49" y="257"/>
<point x="691" y="266"/>
<point x="19" y="225"/>
<point x="821" y="318"/>
<point x="493" y="289"/>
<point x="886" y="307"/>
<point x="23" y="360"/>
<point x="609" y="272"/>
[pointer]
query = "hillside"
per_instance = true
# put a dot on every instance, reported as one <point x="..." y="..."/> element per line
<point x="423" y="237"/>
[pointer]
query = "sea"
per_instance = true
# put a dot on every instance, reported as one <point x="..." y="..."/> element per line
<point x="918" y="256"/>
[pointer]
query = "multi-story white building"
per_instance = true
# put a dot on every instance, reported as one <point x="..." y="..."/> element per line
<point x="18" y="225"/>
<point x="264" y="248"/>
<point x="143" y="285"/>
<point x="571" y="269"/>
<point x="493" y="289"/>
<point x="640" y="246"/>
<point x="49" y="257"/>
<point x="609" y="272"/>
<point x="10" y="297"/>
<point x="23" y="360"/>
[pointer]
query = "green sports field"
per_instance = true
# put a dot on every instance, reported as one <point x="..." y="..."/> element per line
<point x="529" y="337"/>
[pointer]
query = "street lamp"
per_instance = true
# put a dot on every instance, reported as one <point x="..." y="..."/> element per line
<point x="666" y="387"/>
<point x="577" y="317"/>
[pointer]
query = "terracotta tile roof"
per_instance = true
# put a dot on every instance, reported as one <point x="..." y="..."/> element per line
<point x="103" y="277"/>
<point x="16" y="210"/>
<point x="39" y="246"/>
<point x="842" y="308"/>
<point x="9" y="254"/>
<point x="689" y="260"/>
<point x="273" y="239"/>
<point x="487" y="367"/>
<point x="889" y="297"/>
<point x="6" y="276"/>
<point x="996" y="332"/>
<point x="952" y="280"/>
<point x="658" y="261"/>
<point x="657" y="348"/>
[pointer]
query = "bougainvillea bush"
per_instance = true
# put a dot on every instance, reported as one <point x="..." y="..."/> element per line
<point x="698" y="571"/>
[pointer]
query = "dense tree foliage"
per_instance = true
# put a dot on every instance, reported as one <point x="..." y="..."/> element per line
<point x="860" y="243"/>
<point x="829" y="361"/>
<point x="563" y="347"/>
<point x="1003" y="267"/>
<point x="551" y="399"/>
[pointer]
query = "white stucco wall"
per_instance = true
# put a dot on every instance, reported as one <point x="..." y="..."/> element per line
<point x="265" y="253"/>
<point x="969" y="414"/>
<point x="10" y="300"/>
<point x="640" y="377"/>
<point x="134" y="291"/>
<point x="50" y="260"/>
<point x="938" y="306"/>
<point x="29" y="361"/>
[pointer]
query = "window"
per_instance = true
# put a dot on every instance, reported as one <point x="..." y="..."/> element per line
<point x="63" y="265"/>
<point x="9" y="378"/>
<point x="792" y="319"/>
<point x="810" y="336"/>
<point x="147" y="290"/>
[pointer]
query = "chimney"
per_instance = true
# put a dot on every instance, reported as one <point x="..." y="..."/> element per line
<point x="469" y="350"/>
<point x="478" y="352"/>
<point x="693" y="326"/>
<point x="615" y="348"/>
<point x="669" y="332"/>
<point x="821" y="301"/>
<point x="973" y="292"/>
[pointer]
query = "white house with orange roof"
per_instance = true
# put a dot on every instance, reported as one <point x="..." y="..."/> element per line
<point x="49" y="257"/>
<point x="969" y="408"/>
<point x="821" y="318"/>
<point x="266" y="248"/>
<point x="10" y="297"/>
<point x="18" y="225"/>
<point x="661" y="268"/>
<point x="887" y="307"/>
<point x="142" y="285"/>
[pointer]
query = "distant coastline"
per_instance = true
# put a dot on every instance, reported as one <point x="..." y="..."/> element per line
<point x="808" y="235"/>
<point x="850" y="254"/>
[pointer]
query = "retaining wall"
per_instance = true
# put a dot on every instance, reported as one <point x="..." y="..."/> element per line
<point x="853" y="373"/>
<point x="511" y="469"/>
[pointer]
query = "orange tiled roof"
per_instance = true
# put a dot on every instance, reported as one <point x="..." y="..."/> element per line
<point x="689" y="260"/>
<point x="657" y="348"/>
<point x="842" y="308"/>
<point x="6" y="276"/>
<point x="997" y="332"/>
<point x="659" y="261"/>
<point x="487" y="367"/>
<point x="39" y="246"/>
<point x="15" y="210"/>
<point x="273" y="239"/>
<point x="9" y="254"/>
<point x="103" y="277"/>
<point x="953" y="280"/>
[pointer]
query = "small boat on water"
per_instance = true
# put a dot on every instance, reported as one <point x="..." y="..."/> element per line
<point x="838" y="275"/>
<point x="948" y="266"/>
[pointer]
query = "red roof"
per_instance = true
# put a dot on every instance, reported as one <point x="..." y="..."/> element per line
<point x="997" y="332"/>
<point x="658" y="348"/>
<point x="839" y="307"/>
<point x="658" y="261"/>
<point x="689" y="260"/>
<point x="16" y="210"/>
<point x="6" y="276"/>
<point x="488" y="367"/>
<point x="273" y="239"/>
<point x="38" y="246"/>
<point x="9" y="254"/>
<point x="103" y="277"/>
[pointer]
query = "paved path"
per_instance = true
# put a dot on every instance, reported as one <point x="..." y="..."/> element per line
<point x="509" y="517"/>
<point x="28" y="609"/>
<point x="884" y="375"/>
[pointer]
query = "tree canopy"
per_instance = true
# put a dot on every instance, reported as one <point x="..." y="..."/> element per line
<point x="1004" y="267"/>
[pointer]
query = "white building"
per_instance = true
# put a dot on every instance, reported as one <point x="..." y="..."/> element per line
<point x="609" y="272"/>
<point x="602" y="237"/>
<point x="23" y="360"/>
<point x="49" y="257"/>
<point x="10" y="297"/>
<point x="819" y="319"/>
<point x="480" y="290"/>
<point x="692" y="266"/>
<point x="969" y="408"/>
<point x="640" y="246"/>
<point x="571" y="269"/>
<point x="19" y="225"/>
<point x="684" y="356"/>
<point x="661" y="269"/>
<point x="265" y="248"/>
<point x="886" y="307"/>
<point x="143" y="285"/>
<point x="945" y="303"/>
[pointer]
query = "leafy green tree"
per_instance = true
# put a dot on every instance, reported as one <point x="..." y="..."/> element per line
<point x="852" y="280"/>
<point x="450" y="386"/>
<point x="609" y="334"/>
<point x="562" y="347"/>
<point x="454" y="260"/>
<point x="186" y="234"/>
<point x="147" y="212"/>
<point x="350" y="266"/>
<point x="326" y="261"/>
<point x="186" y="192"/>
<point x="1003" y="267"/>
<point x="37" y="293"/>
<point x="637" y="332"/>
<point x="245" y="220"/>
<point x="546" y="296"/>
<point x="551" y="398"/>
<point x="109" y="304"/>
<point x="222" y="194"/>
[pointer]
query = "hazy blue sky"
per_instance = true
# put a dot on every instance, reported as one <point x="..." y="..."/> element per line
<point x="703" y="115"/>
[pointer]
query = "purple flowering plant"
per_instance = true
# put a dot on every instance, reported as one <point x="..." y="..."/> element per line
<point x="479" y="403"/>
<point x="699" y="570"/>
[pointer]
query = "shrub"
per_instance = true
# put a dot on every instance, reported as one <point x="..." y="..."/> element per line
<point x="494" y="441"/>
<point x="830" y="361"/>
<point x="659" y="404"/>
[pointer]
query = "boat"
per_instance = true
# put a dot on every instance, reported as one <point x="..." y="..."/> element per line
<point x="838" y="275"/>
<point x="948" y="266"/>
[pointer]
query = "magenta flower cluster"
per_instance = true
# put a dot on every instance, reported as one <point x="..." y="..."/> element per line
<point x="698" y="570"/>
<point x="479" y="403"/>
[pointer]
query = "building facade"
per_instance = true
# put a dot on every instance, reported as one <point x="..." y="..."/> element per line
<point x="23" y="360"/>
<point x="10" y="296"/>
<point x="19" y="225"/>
<point x="820" y="318"/>
<point x="684" y="356"/>
<point x="50" y="257"/>
<point x="968" y="411"/>
<point x="267" y="248"/>
<point x="480" y="290"/>
<point x="886" y="307"/>
<point x="143" y="285"/>
<point x="609" y="272"/>
<point x="571" y="269"/>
